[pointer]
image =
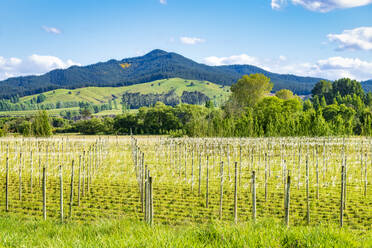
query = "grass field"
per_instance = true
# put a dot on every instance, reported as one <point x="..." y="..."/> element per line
<point x="51" y="112"/>
<point x="99" y="95"/>
<point x="56" y="112"/>
<point x="21" y="232"/>
<point x="108" y="183"/>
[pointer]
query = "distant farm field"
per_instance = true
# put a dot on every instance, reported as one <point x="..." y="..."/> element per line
<point x="97" y="95"/>
<point x="193" y="180"/>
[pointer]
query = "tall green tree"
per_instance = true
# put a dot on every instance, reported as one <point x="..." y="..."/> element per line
<point x="249" y="90"/>
<point x="323" y="89"/>
<point x="284" y="94"/>
<point x="41" y="125"/>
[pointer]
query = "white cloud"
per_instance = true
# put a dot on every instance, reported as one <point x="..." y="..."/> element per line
<point x="277" y="4"/>
<point x="331" y="68"/>
<point x="232" y="60"/>
<point x="163" y="1"/>
<point x="33" y="65"/>
<point x="354" y="39"/>
<point x="191" y="40"/>
<point x="322" y="5"/>
<point x="51" y="30"/>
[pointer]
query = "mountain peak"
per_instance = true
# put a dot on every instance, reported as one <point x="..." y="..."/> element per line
<point x="156" y="53"/>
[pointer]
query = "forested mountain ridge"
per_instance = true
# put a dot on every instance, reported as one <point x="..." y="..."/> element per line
<point x="155" y="65"/>
<point x="367" y="85"/>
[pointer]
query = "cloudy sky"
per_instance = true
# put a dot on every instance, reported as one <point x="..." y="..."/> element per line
<point x="323" y="38"/>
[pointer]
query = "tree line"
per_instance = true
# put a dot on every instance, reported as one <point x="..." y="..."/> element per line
<point x="341" y="107"/>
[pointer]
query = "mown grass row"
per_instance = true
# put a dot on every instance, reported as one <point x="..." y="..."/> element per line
<point x="19" y="232"/>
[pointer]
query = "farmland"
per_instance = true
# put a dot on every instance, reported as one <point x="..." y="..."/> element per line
<point x="194" y="180"/>
<point x="98" y="95"/>
<point x="102" y="95"/>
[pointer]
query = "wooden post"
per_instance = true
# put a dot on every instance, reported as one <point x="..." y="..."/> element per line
<point x="146" y="212"/>
<point x="83" y="177"/>
<point x="345" y="181"/>
<point x="365" y="177"/>
<point x="266" y="177"/>
<point x="287" y="200"/>
<point x="61" y="192"/>
<point x="151" y="201"/>
<point x="179" y="160"/>
<point x="221" y="190"/>
<point x="200" y="175"/>
<point x="79" y="181"/>
<point x="20" y="176"/>
<point x="40" y="167"/>
<point x="7" y="185"/>
<point x="89" y="171"/>
<point x="254" y="195"/>
<point x="236" y="194"/>
<point x="307" y="192"/>
<point x="228" y="161"/>
<point x="207" y="186"/>
<point x="324" y="161"/>
<point x="317" y="175"/>
<point x="72" y="187"/>
<point x="142" y="181"/>
<point x="44" y="193"/>
<point x="192" y="169"/>
<point x="31" y="172"/>
<point x="240" y="163"/>
<point x="342" y="197"/>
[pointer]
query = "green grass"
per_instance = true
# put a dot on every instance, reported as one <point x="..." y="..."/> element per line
<point x="99" y="95"/>
<point x="52" y="112"/>
<point x="56" y="112"/>
<point x="23" y="232"/>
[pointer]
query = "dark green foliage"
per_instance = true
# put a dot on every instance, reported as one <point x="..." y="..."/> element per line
<point x="137" y="100"/>
<point x="346" y="86"/>
<point x="25" y="128"/>
<point x="41" y="125"/>
<point x="92" y="126"/>
<point x="323" y="89"/>
<point x="194" y="97"/>
<point x="40" y="98"/>
<point x="209" y="104"/>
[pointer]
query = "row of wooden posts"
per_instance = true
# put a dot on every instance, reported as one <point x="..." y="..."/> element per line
<point x="146" y="189"/>
<point x="147" y="195"/>
<point x="144" y="180"/>
<point x="82" y="183"/>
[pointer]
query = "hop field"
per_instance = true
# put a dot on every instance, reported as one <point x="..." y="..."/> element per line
<point x="193" y="180"/>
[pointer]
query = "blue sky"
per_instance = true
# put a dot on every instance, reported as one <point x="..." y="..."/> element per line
<point x="325" y="38"/>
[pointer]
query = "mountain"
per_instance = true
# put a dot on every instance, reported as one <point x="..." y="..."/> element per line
<point x="153" y="66"/>
<point x="367" y="85"/>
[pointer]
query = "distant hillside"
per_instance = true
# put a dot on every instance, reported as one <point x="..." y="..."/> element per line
<point x="98" y="95"/>
<point x="367" y="85"/>
<point x="155" y="65"/>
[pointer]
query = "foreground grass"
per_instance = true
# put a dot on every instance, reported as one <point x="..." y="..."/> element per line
<point x="18" y="232"/>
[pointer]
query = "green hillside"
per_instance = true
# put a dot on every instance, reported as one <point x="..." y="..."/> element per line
<point x="100" y="95"/>
<point x="97" y="95"/>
